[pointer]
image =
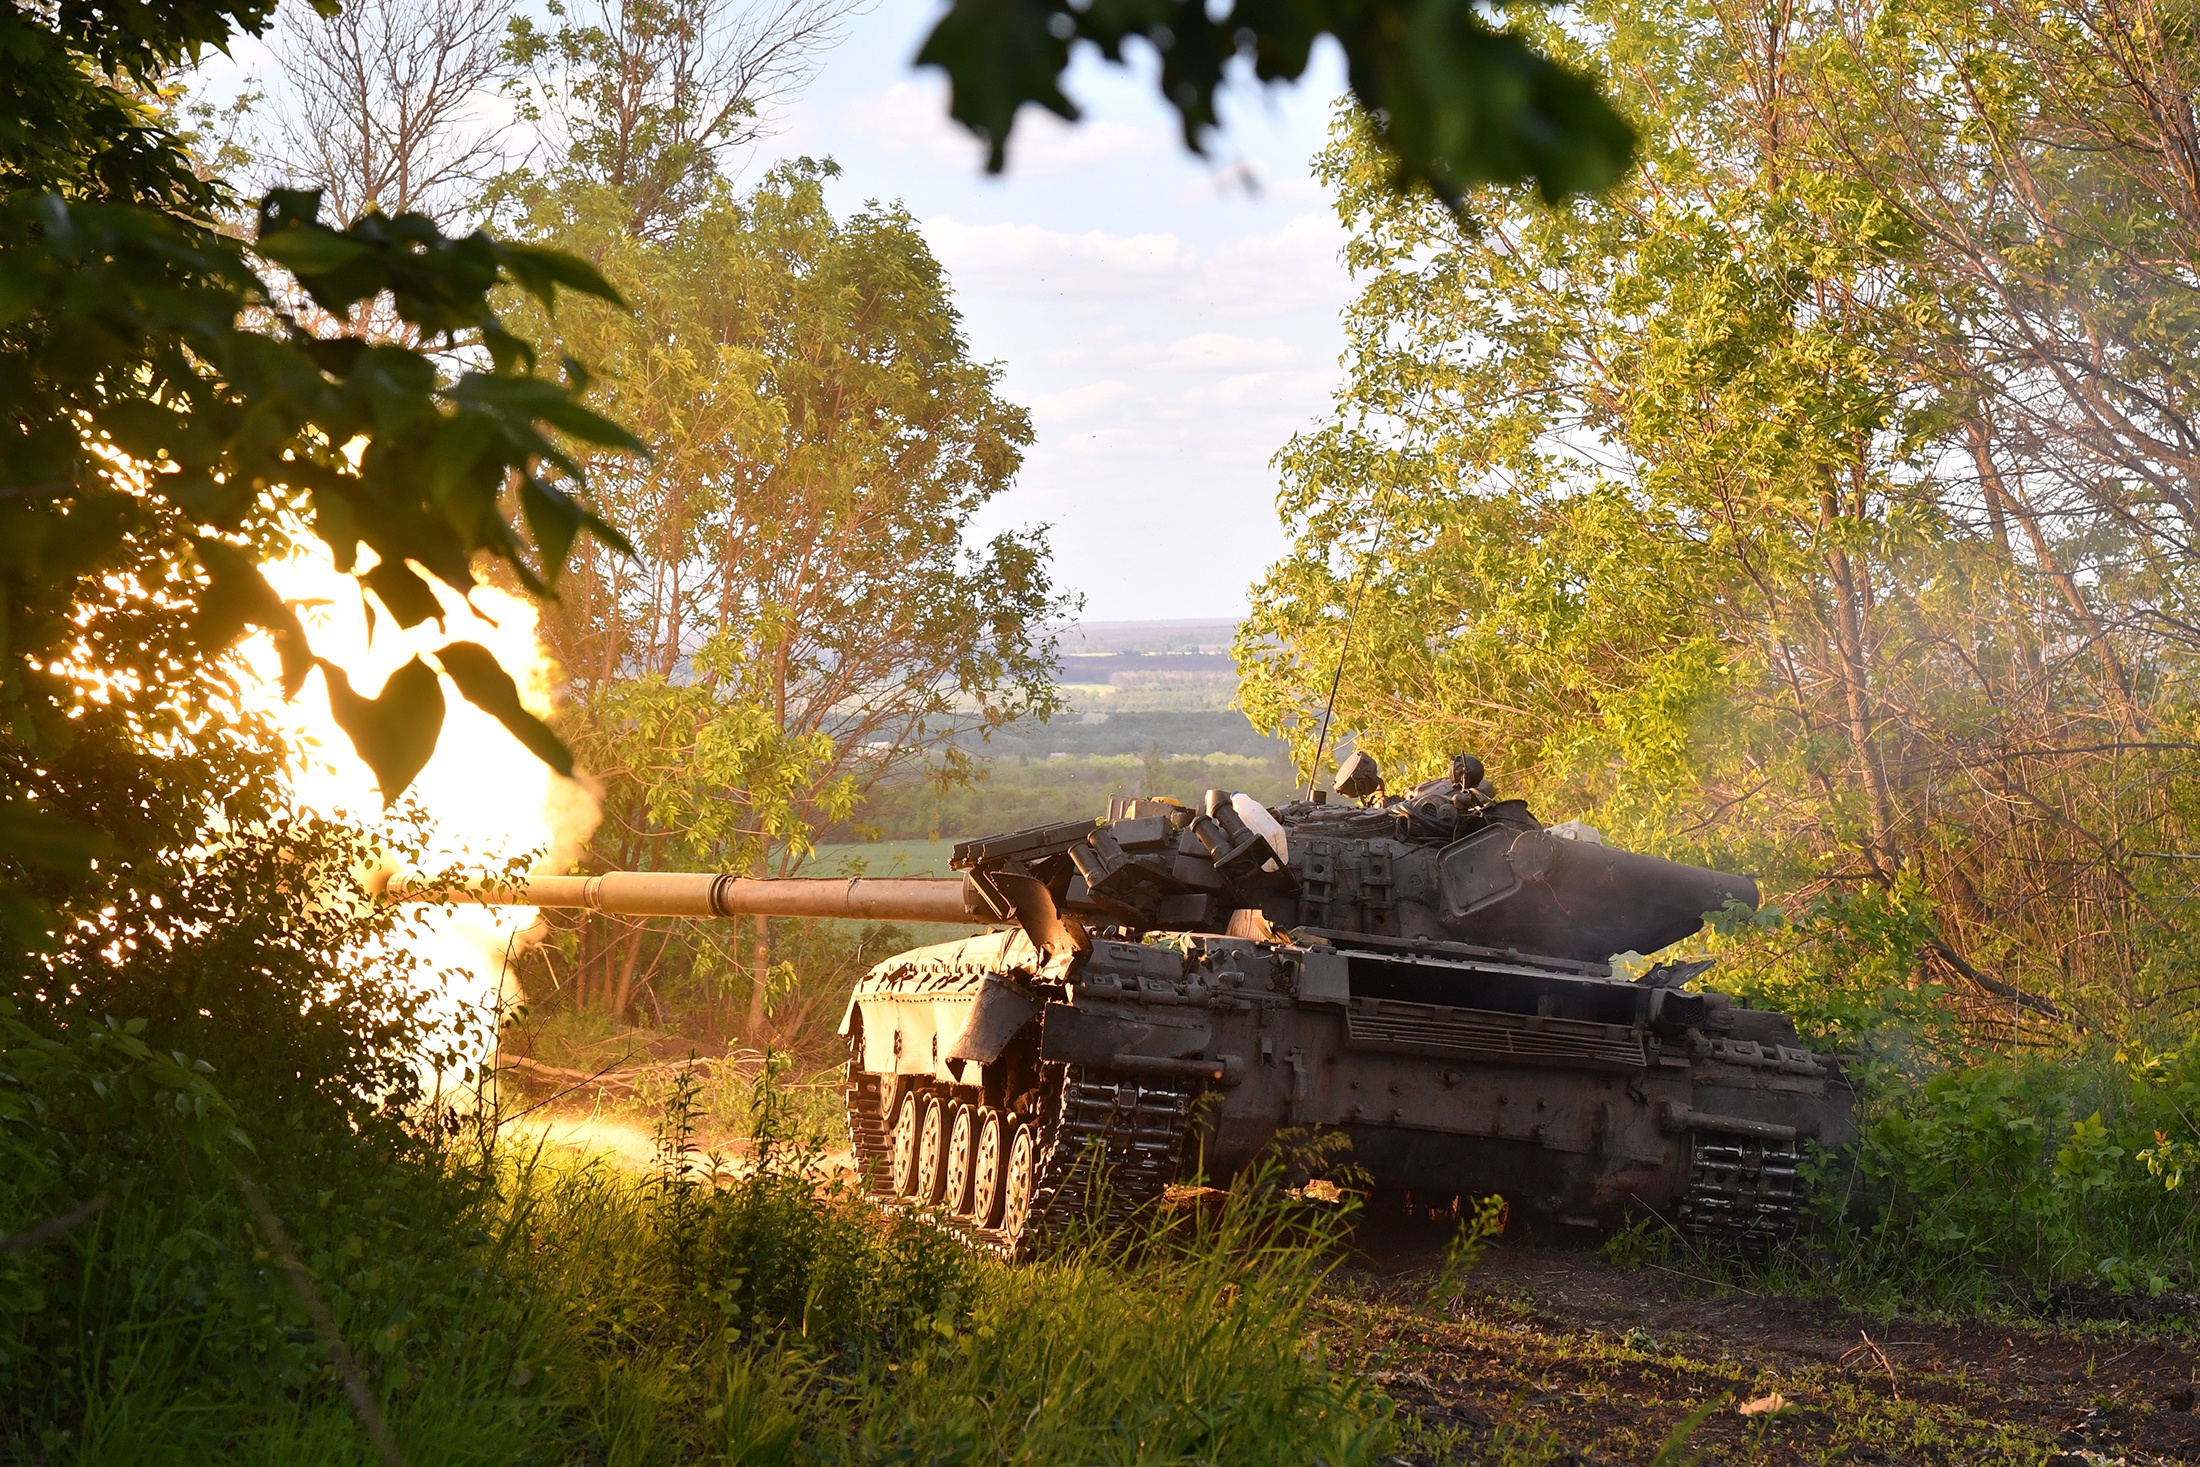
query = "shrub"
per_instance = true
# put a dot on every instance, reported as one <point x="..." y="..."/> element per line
<point x="2026" y="1174"/>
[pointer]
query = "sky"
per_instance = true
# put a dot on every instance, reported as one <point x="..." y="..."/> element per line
<point x="1169" y="321"/>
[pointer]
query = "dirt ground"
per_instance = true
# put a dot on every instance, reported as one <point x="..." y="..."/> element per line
<point x="1553" y="1355"/>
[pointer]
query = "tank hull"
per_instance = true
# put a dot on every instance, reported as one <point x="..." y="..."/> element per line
<point x="1580" y="1098"/>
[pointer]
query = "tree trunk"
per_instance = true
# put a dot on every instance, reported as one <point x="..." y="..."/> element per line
<point x="623" y="996"/>
<point x="759" y="986"/>
<point x="1853" y="656"/>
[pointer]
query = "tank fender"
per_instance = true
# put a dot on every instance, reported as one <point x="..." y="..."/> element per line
<point x="921" y="970"/>
<point x="998" y="1012"/>
<point x="940" y="1033"/>
<point x="1079" y="1036"/>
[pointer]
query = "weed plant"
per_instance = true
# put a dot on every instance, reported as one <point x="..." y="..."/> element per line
<point x="506" y="1307"/>
<point x="2014" y="1178"/>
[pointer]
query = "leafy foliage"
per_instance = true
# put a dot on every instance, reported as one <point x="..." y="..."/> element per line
<point x="1683" y="508"/>
<point x="181" y="414"/>
<point x="805" y="623"/>
<point x="2005" y="1180"/>
<point x="644" y="100"/>
<point x="1463" y="103"/>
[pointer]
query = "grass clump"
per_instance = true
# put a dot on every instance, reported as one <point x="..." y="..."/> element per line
<point x="505" y="1307"/>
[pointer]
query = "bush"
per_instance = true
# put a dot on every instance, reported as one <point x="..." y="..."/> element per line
<point x="2013" y="1177"/>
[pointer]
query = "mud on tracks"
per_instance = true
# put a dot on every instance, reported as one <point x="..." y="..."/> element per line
<point x="1554" y="1355"/>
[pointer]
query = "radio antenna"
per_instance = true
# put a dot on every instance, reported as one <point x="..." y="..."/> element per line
<point x="1344" y="647"/>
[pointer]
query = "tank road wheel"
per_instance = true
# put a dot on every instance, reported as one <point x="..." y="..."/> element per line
<point x="931" y="1150"/>
<point x="962" y="1140"/>
<point x="902" y="1162"/>
<point x="989" y="1168"/>
<point x="1019" y="1183"/>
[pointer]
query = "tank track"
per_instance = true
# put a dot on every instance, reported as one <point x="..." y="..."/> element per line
<point x="1108" y="1149"/>
<point x="1111" y="1151"/>
<point x="1741" y="1192"/>
<point x="868" y="1134"/>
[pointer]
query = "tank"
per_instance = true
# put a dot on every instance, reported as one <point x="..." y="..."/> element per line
<point x="1165" y="991"/>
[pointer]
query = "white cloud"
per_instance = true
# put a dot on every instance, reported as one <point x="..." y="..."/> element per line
<point x="1077" y="403"/>
<point x="1282" y="271"/>
<point x="909" y="120"/>
<point x="1031" y="259"/>
<point x="1211" y="351"/>
<point x="1163" y="373"/>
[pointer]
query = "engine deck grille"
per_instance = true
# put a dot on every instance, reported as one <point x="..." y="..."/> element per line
<point x="1412" y="1028"/>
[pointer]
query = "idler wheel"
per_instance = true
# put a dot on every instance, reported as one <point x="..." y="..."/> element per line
<point x="962" y="1140"/>
<point x="1021" y="1180"/>
<point x="931" y="1150"/>
<point x="902" y="1160"/>
<point x="988" y="1169"/>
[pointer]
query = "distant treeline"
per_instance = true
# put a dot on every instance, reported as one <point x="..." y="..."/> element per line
<point x="1188" y="732"/>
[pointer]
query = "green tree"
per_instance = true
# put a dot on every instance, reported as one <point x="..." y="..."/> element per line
<point x="175" y="421"/>
<point x="647" y="98"/>
<point x="804" y="622"/>
<point x="1672" y="505"/>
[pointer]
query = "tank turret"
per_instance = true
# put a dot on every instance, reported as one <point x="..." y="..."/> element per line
<point x="1445" y="863"/>
<point x="1429" y="974"/>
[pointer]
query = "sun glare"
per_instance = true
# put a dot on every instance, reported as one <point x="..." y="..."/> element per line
<point x="488" y="801"/>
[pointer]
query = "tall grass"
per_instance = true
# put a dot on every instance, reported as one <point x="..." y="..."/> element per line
<point x="508" y="1307"/>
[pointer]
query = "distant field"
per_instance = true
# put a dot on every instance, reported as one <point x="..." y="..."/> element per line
<point x="1148" y="714"/>
<point x="1017" y="792"/>
<point x="883" y="858"/>
<point x="1108" y="727"/>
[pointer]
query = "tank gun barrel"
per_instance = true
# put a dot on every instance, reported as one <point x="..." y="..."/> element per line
<point x="704" y="894"/>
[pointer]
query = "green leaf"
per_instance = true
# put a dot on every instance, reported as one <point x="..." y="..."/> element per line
<point x="20" y="290"/>
<point x="394" y="731"/>
<point x="312" y="250"/>
<point x="145" y="430"/>
<point x="529" y="398"/>
<point x="555" y="520"/>
<point x="207" y="500"/>
<point x="998" y="55"/>
<point x="540" y="271"/>
<point x="1462" y="103"/>
<point x="490" y="688"/>
<point x="37" y="839"/>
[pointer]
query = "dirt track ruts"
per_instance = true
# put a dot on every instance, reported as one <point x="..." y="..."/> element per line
<point x="1552" y="1354"/>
